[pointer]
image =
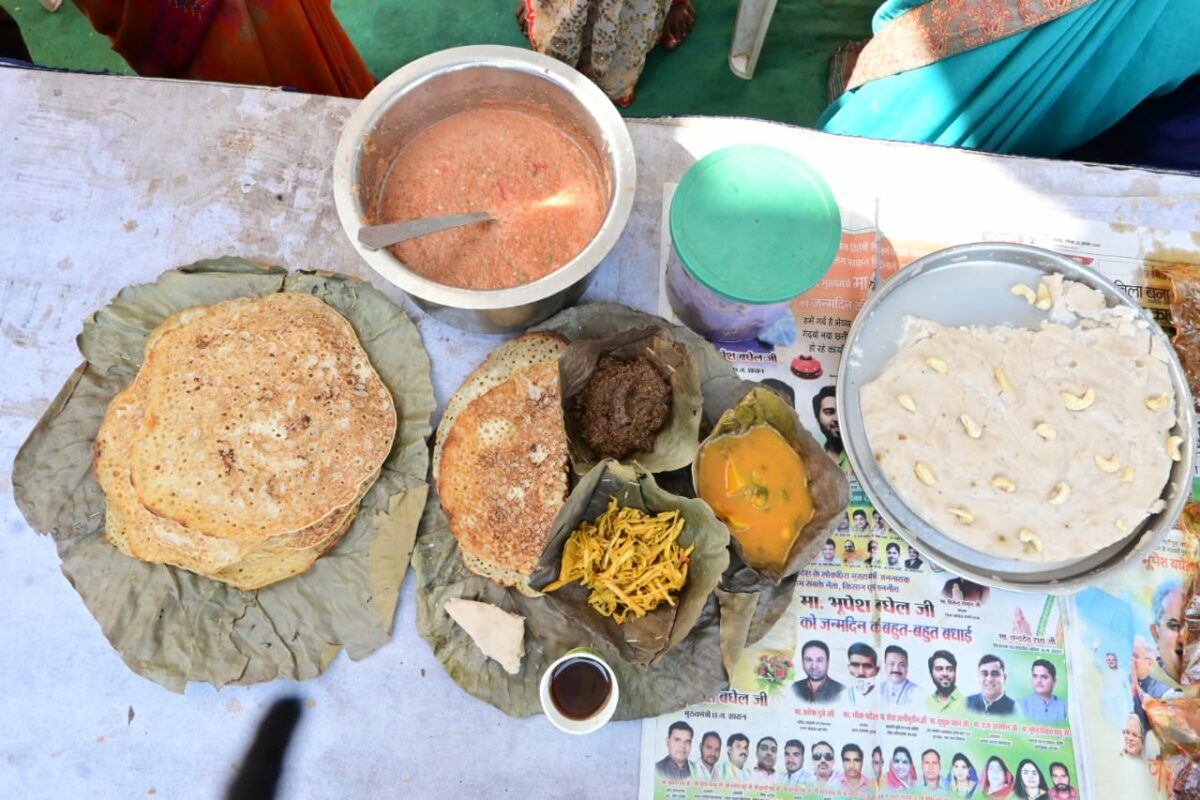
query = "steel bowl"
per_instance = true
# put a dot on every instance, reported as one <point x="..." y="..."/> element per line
<point x="445" y="83"/>
<point x="969" y="285"/>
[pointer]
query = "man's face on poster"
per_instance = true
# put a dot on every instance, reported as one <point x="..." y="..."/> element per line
<point x="1060" y="778"/>
<point x="893" y="555"/>
<point x="1111" y="660"/>
<point x="823" y="761"/>
<point x="828" y="551"/>
<point x="1133" y="736"/>
<point x="815" y="663"/>
<point x="710" y="750"/>
<point x="793" y="758"/>
<point x="1043" y="681"/>
<point x="852" y="764"/>
<point x="827" y="420"/>
<point x="896" y="665"/>
<point x="991" y="680"/>
<point x="931" y="766"/>
<point x="767" y="751"/>
<point x="679" y="745"/>
<point x="1143" y="660"/>
<point x="944" y="675"/>
<point x="739" y="751"/>
<point x="1165" y="631"/>
<point x="863" y="666"/>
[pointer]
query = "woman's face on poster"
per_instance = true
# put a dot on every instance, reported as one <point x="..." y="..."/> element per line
<point x="1029" y="777"/>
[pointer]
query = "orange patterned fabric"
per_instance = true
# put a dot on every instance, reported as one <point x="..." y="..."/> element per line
<point x="943" y="28"/>
<point x="293" y="43"/>
<point x="1185" y="314"/>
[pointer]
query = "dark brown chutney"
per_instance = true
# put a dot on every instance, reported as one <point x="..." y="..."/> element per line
<point x="623" y="407"/>
<point x="579" y="687"/>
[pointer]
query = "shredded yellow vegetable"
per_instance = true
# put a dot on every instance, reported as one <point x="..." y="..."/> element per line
<point x="630" y="560"/>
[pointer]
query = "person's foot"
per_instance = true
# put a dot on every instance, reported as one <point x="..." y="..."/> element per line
<point x="681" y="18"/>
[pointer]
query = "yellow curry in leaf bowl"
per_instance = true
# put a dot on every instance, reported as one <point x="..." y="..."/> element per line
<point x="771" y="483"/>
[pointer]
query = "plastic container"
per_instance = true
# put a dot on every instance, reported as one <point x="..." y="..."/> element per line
<point x="753" y="19"/>
<point x="753" y="227"/>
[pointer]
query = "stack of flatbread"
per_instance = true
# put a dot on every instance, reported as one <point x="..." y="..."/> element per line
<point x="243" y="447"/>
<point x="500" y="459"/>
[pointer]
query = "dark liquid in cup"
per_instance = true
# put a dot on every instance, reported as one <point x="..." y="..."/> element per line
<point x="579" y="687"/>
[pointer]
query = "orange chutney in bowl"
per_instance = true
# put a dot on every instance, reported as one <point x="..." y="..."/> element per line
<point x="758" y="486"/>
<point x="544" y="189"/>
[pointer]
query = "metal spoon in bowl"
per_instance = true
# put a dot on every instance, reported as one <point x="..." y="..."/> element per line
<point x="377" y="236"/>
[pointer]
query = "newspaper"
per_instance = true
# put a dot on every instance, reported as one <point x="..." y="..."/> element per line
<point x="891" y="675"/>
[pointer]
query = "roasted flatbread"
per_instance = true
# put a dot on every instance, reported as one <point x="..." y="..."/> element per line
<point x="523" y="351"/>
<point x="262" y="418"/>
<point x="138" y="533"/>
<point x="268" y="565"/>
<point x="128" y="525"/>
<point x="502" y="477"/>
<point x="280" y="379"/>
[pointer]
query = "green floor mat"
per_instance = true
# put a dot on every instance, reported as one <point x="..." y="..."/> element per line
<point x="64" y="39"/>
<point x="789" y="84"/>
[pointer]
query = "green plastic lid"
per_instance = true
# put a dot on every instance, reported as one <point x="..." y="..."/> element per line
<point x="755" y="224"/>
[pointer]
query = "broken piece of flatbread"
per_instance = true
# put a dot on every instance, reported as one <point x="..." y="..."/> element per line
<point x="498" y="633"/>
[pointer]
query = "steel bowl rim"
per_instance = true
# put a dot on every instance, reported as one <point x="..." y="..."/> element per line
<point x="1149" y="533"/>
<point x="393" y="89"/>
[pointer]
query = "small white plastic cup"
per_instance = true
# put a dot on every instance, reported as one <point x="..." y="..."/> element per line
<point x="597" y="720"/>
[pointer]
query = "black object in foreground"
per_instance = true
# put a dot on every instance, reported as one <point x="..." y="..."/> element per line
<point x="263" y="764"/>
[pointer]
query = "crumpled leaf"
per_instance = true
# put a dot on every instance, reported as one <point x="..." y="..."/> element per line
<point x="173" y="626"/>
<point x="640" y="641"/>
<point x="737" y="611"/>
<point x="675" y="444"/>
<point x="721" y="390"/>
<point x="689" y="673"/>
<point x="826" y="482"/>
<point x="601" y="320"/>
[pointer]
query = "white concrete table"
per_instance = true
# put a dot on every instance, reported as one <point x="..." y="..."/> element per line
<point x="109" y="181"/>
